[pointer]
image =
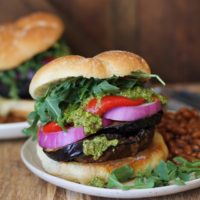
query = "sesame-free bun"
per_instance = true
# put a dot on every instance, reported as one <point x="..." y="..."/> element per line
<point x="85" y="172"/>
<point x="26" y="37"/>
<point x="104" y="65"/>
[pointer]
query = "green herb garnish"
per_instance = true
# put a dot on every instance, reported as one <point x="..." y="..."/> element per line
<point x="166" y="173"/>
<point x="140" y="74"/>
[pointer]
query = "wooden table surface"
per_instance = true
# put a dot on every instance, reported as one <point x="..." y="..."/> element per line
<point x="18" y="183"/>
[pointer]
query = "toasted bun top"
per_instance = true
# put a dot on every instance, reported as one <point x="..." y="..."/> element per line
<point x="104" y="65"/>
<point x="26" y="37"/>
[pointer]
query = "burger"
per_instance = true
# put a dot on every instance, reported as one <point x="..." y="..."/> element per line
<point x="93" y="115"/>
<point x="26" y="45"/>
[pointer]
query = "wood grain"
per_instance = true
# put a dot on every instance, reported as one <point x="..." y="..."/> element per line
<point x="17" y="182"/>
<point x="165" y="33"/>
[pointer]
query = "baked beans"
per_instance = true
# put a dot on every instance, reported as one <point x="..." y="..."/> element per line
<point x="11" y="118"/>
<point x="181" y="132"/>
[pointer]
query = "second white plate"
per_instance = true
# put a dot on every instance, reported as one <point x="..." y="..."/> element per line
<point x="30" y="159"/>
<point x="12" y="130"/>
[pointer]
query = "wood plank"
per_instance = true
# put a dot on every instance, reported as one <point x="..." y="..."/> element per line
<point x="17" y="182"/>
<point x="169" y="38"/>
<point x="165" y="33"/>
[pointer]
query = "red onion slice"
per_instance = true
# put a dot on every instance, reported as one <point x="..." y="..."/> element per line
<point x="132" y="113"/>
<point x="59" y="139"/>
<point x="106" y="122"/>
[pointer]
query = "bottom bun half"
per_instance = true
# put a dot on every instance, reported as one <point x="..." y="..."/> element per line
<point x="85" y="172"/>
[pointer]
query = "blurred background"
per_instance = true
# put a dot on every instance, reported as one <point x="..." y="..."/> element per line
<point x="166" y="33"/>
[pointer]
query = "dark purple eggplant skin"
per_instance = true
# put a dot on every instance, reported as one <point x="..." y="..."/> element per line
<point x="127" y="146"/>
<point x="130" y="127"/>
<point x="132" y="136"/>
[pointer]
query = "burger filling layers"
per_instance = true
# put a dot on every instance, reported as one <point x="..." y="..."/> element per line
<point x="96" y="120"/>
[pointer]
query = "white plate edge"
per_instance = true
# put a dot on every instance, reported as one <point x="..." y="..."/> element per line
<point x="110" y="193"/>
<point x="12" y="130"/>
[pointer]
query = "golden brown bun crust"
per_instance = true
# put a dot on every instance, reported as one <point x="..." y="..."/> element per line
<point x="26" y="37"/>
<point x="104" y="65"/>
<point x="19" y="108"/>
<point x="84" y="173"/>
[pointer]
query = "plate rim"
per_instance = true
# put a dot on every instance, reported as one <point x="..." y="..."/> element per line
<point x="6" y="128"/>
<point x="13" y="124"/>
<point x="100" y="192"/>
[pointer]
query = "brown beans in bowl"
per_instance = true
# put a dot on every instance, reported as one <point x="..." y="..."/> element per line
<point x="181" y="131"/>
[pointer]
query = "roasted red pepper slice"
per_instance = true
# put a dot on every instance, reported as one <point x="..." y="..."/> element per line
<point x="51" y="127"/>
<point x="100" y="107"/>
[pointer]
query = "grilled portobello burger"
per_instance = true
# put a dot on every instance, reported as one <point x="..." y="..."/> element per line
<point x="93" y="115"/>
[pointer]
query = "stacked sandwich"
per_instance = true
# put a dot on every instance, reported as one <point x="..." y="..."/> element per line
<point x="93" y="115"/>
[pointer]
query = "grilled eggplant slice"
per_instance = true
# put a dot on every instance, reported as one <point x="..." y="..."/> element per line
<point x="127" y="146"/>
<point x="132" y="136"/>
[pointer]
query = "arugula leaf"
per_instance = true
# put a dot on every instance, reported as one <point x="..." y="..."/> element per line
<point x="183" y="176"/>
<point x="40" y="108"/>
<point x="166" y="173"/>
<point x="162" y="171"/>
<point x="140" y="74"/>
<point x="104" y="87"/>
<point x="114" y="180"/>
<point x="184" y="162"/>
<point x="53" y="107"/>
<point x="114" y="183"/>
<point x="142" y="182"/>
<point x="33" y="120"/>
<point x="180" y="160"/>
<point x="179" y="181"/>
<point x="124" y="173"/>
<point x="171" y="166"/>
<point x="73" y="92"/>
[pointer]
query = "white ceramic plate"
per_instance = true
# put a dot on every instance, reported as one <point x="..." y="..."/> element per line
<point x="12" y="130"/>
<point x="30" y="159"/>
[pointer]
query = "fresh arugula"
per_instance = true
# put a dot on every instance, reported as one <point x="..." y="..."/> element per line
<point x="72" y="92"/>
<point x="25" y="71"/>
<point x="33" y="119"/>
<point x="166" y="173"/>
<point x="145" y="75"/>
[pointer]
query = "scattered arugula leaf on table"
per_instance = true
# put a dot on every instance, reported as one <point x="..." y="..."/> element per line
<point x="166" y="173"/>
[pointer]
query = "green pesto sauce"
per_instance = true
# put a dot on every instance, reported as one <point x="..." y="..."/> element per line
<point x="97" y="182"/>
<point x="97" y="146"/>
<point x="91" y="122"/>
<point x="145" y="93"/>
<point x="79" y="117"/>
